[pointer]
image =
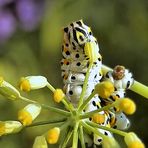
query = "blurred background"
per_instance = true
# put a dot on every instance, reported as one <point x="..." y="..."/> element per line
<point x="30" y="44"/>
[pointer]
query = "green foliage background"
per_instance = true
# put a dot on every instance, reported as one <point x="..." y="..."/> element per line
<point x="121" y="28"/>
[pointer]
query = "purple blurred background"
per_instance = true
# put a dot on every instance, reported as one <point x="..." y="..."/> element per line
<point x="25" y="14"/>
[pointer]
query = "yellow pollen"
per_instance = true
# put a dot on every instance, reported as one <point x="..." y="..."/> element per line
<point x="58" y="95"/>
<point x="24" y="85"/>
<point x="136" y="144"/>
<point x="98" y="118"/>
<point x="104" y="89"/>
<point x="2" y="129"/>
<point x="24" y="117"/>
<point x="53" y="135"/>
<point x="128" y="106"/>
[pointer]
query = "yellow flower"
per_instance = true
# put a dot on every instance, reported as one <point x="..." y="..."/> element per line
<point x="58" y="95"/>
<point x="40" y="142"/>
<point x="53" y="135"/>
<point x="136" y="144"/>
<point x="132" y="141"/>
<point x="98" y="118"/>
<point x="29" y="113"/>
<point x="127" y="105"/>
<point x="110" y="142"/>
<point x="104" y="89"/>
<point x="8" y="127"/>
<point x="32" y="82"/>
<point x="7" y="90"/>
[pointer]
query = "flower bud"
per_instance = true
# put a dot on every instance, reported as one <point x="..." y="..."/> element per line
<point x="132" y="141"/>
<point x="32" y="82"/>
<point x="98" y="118"/>
<point x="127" y="105"/>
<point x="7" y="90"/>
<point x="9" y="127"/>
<point x="110" y="142"/>
<point x="58" y="95"/>
<point x="53" y="135"/>
<point x="40" y="142"/>
<point x="104" y="89"/>
<point x="29" y="113"/>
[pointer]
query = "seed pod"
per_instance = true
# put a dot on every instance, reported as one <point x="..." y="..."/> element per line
<point x="32" y="82"/>
<point x="29" y="113"/>
<point x="9" y="91"/>
<point x="9" y="127"/>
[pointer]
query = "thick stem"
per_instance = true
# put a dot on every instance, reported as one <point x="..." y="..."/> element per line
<point x="60" y="111"/>
<point x="68" y="136"/>
<point x="84" y="86"/>
<point x="75" y="136"/>
<point x="82" y="137"/>
<point x="106" y="128"/>
<point x="140" y="89"/>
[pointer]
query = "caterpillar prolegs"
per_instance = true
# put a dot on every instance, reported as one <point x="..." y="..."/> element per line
<point x="80" y="49"/>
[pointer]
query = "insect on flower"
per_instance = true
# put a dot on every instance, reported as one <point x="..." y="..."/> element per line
<point x="93" y="96"/>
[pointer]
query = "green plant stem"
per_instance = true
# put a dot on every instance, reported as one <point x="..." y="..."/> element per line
<point x="60" y="111"/>
<point x="84" y="86"/>
<point x="65" y="125"/>
<point x="47" y="122"/>
<point x="82" y="137"/>
<point x="89" y="114"/>
<point x="92" y="129"/>
<point x="106" y="128"/>
<point x="140" y="89"/>
<point x="68" y="136"/>
<point x="137" y="87"/>
<point x="86" y="101"/>
<point x="50" y="87"/>
<point x="75" y="136"/>
<point x="67" y="104"/>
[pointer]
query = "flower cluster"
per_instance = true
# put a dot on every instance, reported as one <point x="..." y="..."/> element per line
<point x="93" y="96"/>
<point x="23" y="13"/>
<point x="76" y="120"/>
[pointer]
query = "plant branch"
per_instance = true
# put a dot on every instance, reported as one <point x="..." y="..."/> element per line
<point x="60" y="111"/>
<point x="84" y="86"/>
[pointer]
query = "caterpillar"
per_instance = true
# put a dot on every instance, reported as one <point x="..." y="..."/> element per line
<point x="79" y="49"/>
<point x="75" y="60"/>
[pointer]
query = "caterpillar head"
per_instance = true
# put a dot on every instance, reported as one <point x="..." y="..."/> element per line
<point x="78" y="34"/>
<point x="121" y="77"/>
